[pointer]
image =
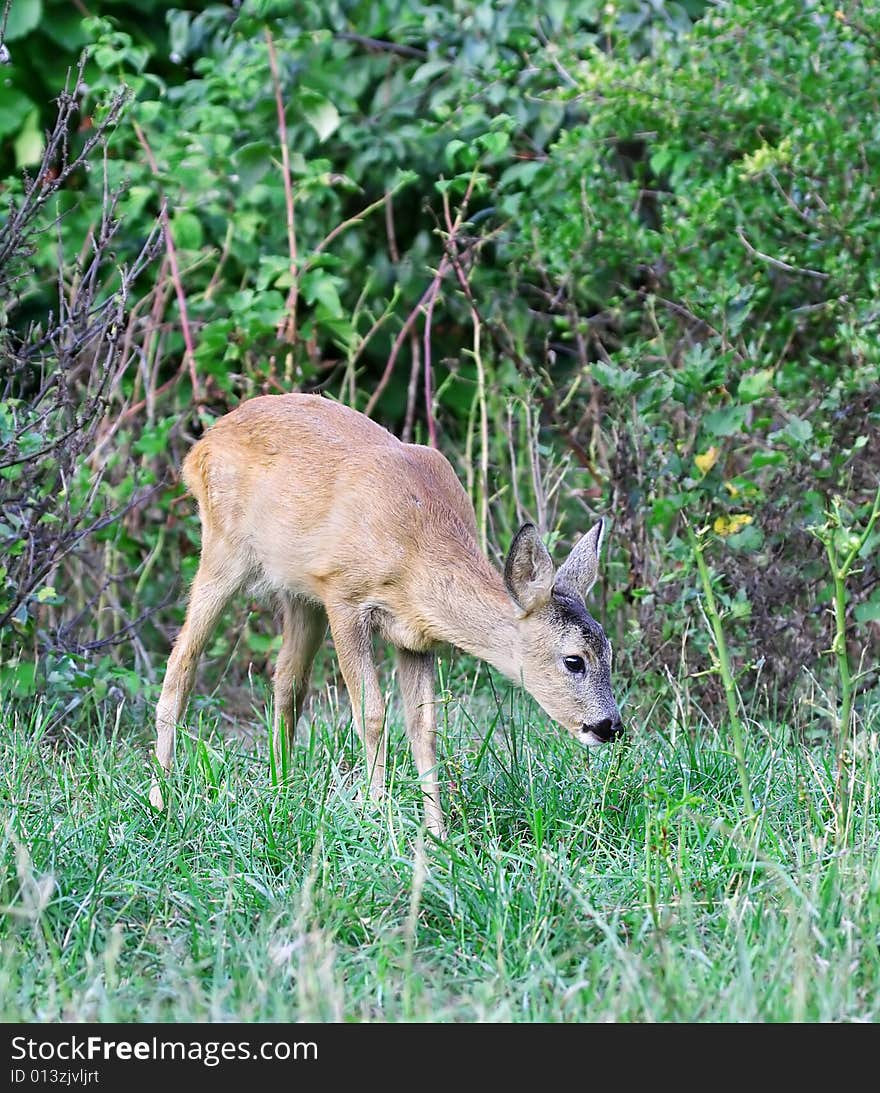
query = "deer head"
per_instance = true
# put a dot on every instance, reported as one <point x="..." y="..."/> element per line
<point x="566" y="658"/>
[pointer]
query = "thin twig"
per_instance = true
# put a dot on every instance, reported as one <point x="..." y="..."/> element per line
<point x="375" y="328"/>
<point x="395" y="350"/>
<point x="288" y="325"/>
<point x="455" y="258"/>
<point x="412" y="389"/>
<point x="550" y="53"/>
<point x="350" y="222"/>
<point x="425" y="301"/>
<point x="381" y="46"/>
<point x="415" y="355"/>
<point x="3" y="21"/>
<point x="189" y="352"/>
<point x="778" y="263"/>
<point x="426" y="343"/>
<point x="221" y="261"/>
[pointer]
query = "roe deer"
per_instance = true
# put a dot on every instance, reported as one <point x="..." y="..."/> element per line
<point x="322" y="509"/>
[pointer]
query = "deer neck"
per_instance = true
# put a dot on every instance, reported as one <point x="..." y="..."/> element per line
<point x="464" y="603"/>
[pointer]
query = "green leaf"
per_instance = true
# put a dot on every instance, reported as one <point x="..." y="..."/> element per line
<point x="28" y="144"/>
<point x="450" y="152"/>
<point x="495" y="144"/>
<point x="154" y="439"/>
<point x="186" y="228"/>
<point x="869" y="611"/>
<point x="755" y="385"/>
<point x="611" y="376"/>
<point x="135" y="200"/>
<point x="725" y="422"/>
<point x="751" y="538"/>
<point x="320" y="113"/>
<point x="179" y="23"/>
<point x="14" y="109"/>
<point x="65" y="29"/>
<point x="768" y="459"/>
<point x="796" y="432"/>
<point x="660" y="160"/>
<point x="252" y="161"/>
<point x="319" y="287"/>
<point x="214" y="341"/>
<point x="24" y="16"/>
<point x="429" y="70"/>
<point x="520" y="175"/>
<point x="268" y="9"/>
<point x="19" y="679"/>
<point x="148" y="110"/>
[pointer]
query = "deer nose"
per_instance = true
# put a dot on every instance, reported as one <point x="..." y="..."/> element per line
<point x="607" y="729"/>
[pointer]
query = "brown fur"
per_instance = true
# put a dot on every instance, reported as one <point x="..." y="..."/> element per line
<point x="334" y="518"/>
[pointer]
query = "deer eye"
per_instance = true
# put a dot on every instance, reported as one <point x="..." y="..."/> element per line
<point x="574" y="664"/>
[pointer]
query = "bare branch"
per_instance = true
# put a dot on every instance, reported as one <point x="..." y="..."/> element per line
<point x="776" y="263"/>
<point x="287" y="327"/>
<point x="190" y="353"/>
<point x="380" y="46"/>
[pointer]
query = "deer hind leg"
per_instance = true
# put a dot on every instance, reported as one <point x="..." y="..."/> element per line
<point x="303" y="628"/>
<point x="220" y="575"/>
<point x="416" y="674"/>
<point x="353" y="639"/>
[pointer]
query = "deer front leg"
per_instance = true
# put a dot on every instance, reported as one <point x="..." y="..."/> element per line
<point x="416" y="674"/>
<point x="216" y="582"/>
<point x="353" y="639"/>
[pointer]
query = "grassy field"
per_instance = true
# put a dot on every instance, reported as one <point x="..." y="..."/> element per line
<point x="615" y="885"/>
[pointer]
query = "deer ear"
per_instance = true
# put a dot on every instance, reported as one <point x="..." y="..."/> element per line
<point x="528" y="570"/>
<point x="579" y="571"/>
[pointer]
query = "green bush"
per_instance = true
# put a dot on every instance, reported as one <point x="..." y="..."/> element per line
<point x="705" y="233"/>
<point x="639" y="233"/>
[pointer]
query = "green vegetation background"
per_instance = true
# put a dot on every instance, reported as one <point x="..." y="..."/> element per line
<point x="613" y="259"/>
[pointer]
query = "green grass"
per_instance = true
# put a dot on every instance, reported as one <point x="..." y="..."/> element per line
<point x="624" y="884"/>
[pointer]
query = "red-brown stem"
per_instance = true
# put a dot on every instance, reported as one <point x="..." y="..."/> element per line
<point x="287" y="328"/>
<point x="153" y="339"/>
<point x="429" y="314"/>
<point x="415" y="365"/>
<point x="150" y="298"/>
<point x="452" y="248"/>
<point x="189" y="353"/>
<point x="160" y="390"/>
<point x="395" y="349"/>
<point x="427" y="297"/>
<point x="455" y="259"/>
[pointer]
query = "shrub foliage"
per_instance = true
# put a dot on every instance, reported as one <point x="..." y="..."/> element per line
<point x="612" y="258"/>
